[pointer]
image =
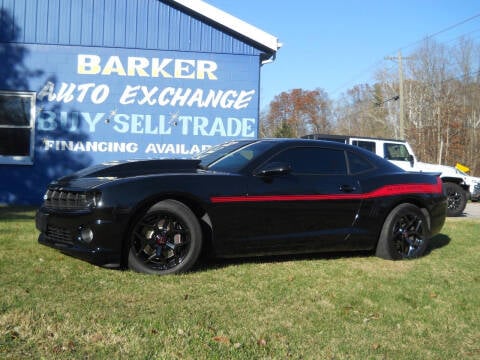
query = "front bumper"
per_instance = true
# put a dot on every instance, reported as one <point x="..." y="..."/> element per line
<point x="475" y="192"/>
<point x="63" y="231"/>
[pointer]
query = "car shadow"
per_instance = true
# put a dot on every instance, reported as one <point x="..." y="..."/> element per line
<point x="437" y="242"/>
<point x="212" y="263"/>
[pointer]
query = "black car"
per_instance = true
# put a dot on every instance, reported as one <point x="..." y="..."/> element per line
<point x="241" y="198"/>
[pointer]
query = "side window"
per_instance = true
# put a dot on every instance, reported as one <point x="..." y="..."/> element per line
<point x="367" y="145"/>
<point x="314" y="160"/>
<point x="396" y="152"/>
<point x="357" y="164"/>
<point x="17" y="116"/>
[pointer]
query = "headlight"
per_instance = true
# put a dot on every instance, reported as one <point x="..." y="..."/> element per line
<point x="71" y="200"/>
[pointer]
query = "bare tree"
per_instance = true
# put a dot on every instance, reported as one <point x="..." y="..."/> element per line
<point x="360" y="111"/>
<point x="297" y="113"/>
<point x="441" y="87"/>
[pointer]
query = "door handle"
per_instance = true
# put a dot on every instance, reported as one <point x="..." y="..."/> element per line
<point x="347" y="188"/>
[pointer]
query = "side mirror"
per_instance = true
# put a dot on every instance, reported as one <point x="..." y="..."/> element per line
<point x="412" y="161"/>
<point x="274" y="169"/>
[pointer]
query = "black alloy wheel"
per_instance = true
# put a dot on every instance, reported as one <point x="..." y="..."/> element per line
<point x="456" y="199"/>
<point x="404" y="234"/>
<point x="165" y="240"/>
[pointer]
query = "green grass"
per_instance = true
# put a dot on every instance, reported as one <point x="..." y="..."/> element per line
<point x="321" y="307"/>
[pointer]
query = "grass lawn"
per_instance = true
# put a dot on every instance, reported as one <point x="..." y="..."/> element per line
<point x="320" y="307"/>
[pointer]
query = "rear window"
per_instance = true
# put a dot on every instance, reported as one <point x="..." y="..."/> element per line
<point x="358" y="164"/>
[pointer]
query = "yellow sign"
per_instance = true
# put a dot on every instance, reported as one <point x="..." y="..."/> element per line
<point x="463" y="168"/>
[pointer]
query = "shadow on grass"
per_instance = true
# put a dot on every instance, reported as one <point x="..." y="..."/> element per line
<point x="211" y="263"/>
<point x="17" y="212"/>
<point x="437" y="242"/>
<point x="208" y="263"/>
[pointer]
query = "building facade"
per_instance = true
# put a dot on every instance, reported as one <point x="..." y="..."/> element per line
<point x="89" y="81"/>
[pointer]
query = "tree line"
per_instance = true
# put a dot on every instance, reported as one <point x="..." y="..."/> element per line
<point x="440" y="103"/>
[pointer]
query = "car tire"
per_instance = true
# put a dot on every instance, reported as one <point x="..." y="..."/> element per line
<point x="456" y="199"/>
<point x="167" y="239"/>
<point x="404" y="234"/>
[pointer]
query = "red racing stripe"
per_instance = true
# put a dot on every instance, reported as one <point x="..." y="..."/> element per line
<point x="387" y="190"/>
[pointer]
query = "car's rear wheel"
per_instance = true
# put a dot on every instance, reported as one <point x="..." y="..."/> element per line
<point x="404" y="234"/>
<point x="456" y="199"/>
<point x="167" y="239"/>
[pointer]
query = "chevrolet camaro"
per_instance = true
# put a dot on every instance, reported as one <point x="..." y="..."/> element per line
<point x="241" y="198"/>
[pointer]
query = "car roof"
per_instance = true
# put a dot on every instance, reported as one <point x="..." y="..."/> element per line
<point x="377" y="160"/>
<point x="330" y="144"/>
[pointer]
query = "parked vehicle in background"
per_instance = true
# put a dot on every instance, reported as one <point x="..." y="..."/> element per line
<point x="458" y="186"/>
<point x="473" y="184"/>
<point x="476" y="191"/>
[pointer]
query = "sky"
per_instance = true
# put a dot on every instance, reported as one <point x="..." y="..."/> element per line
<point x="335" y="45"/>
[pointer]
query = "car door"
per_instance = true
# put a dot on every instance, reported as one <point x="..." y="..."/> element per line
<point x="311" y="206"/>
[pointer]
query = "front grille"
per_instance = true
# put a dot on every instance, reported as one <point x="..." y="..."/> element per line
<point x="68" y="200"/>
<point x="476" y="191"/>
<point x="58" y="234"/>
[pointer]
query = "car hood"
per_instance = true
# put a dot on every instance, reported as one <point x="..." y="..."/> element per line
<point x="121" y="169"/>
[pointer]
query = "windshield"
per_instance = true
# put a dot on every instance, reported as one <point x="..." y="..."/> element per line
<point x="232" y="156"/>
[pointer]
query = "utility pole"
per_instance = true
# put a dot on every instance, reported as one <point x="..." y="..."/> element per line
<point x="401" y="121"/>
<point x="402" y="114"/>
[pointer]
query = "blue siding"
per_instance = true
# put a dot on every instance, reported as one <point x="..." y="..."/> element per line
<point x="29" y="29"/>
<point x="75" y="18"/>
<point x="64" y="23"/>
<point x="131" y="22"/>
<point x="53" y="30"/>
<point x="142" y="28"/>
<point x="120" y="26"/>
<point x="109" y="24"/>
<point x="42" y="22"/>
<point x="142" y="24"/>
<point x="153" y="32"/>
<point x="18" y="11"/>
<point x="98" y="23"/>
<point x="44" y="41"/>
<point x="86" y="24"/>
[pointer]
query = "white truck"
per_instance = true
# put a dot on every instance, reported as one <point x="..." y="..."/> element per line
<point x="458" y="186"/>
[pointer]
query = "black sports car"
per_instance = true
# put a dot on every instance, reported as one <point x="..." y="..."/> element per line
<point x="241" y="198"/>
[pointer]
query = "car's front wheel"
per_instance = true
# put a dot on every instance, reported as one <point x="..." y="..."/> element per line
<point x="167" y="239"/>
<point x="404" y="234"/>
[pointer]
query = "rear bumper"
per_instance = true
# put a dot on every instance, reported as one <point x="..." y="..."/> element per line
<point x="438" y="213"/>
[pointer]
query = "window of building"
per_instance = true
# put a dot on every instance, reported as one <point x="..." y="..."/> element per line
<point x="17" y="117"/>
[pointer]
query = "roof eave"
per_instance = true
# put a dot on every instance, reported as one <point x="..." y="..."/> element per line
<point x="232" y="23"/>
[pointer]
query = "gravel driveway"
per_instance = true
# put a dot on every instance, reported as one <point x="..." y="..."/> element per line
<point x="472" y="211"/>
